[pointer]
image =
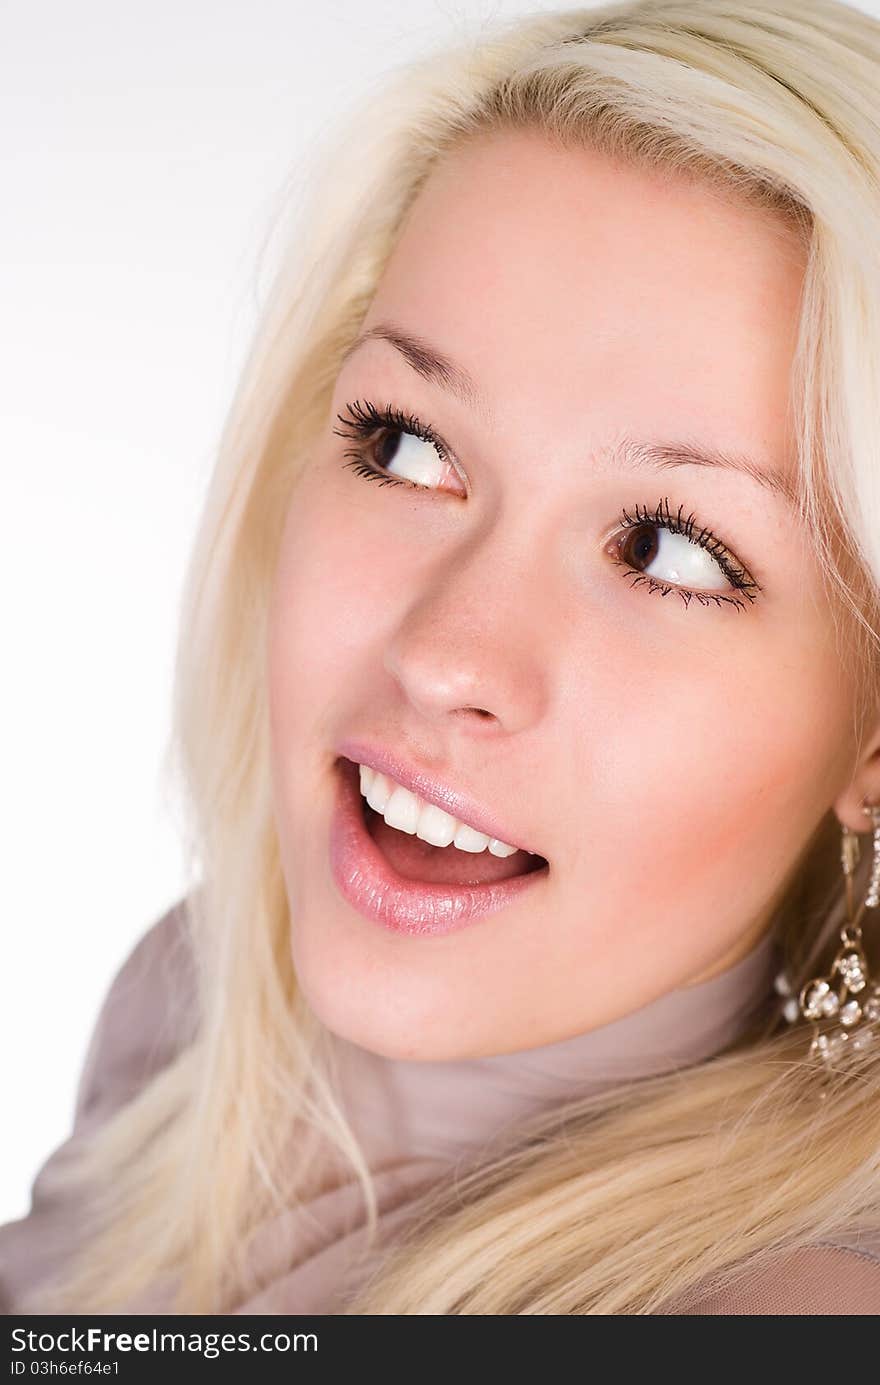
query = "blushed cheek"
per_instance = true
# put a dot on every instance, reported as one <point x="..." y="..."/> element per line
<point x="740" y="798"/>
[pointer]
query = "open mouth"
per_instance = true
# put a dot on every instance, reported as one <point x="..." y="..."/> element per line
<point x="415" y="859"/>
<point x="410" y="886"/>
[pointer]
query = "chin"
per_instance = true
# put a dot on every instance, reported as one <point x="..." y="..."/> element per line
<point x="354" y="1012"/>
<point x="354" y="1026"/>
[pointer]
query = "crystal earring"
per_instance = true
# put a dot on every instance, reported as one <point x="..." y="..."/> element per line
<point x="844" y="1007"/>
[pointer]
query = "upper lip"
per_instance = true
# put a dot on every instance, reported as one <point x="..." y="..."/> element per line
<point x="453" y="801"/>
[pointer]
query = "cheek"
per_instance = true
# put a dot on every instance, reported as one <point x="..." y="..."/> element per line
<point x="717" y="779"/>
<point x="707" y="779"/>
<point x="330" y="607"/>
<point x="308" y="641"/>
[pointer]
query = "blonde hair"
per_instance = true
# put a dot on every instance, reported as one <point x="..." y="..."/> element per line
<point x="647" y="1190"/>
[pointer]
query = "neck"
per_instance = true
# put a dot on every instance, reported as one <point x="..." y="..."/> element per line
<point x="403" y="1109"/>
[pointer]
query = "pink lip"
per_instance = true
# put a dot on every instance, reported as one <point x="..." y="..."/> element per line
<point x="432" y="791"/>
<point x="366" y="879"/>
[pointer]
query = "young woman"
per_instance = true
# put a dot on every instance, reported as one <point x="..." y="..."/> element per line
<point x="529" y="714"/>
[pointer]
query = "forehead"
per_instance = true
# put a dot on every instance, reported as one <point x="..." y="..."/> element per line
<point x="555" y="275"/>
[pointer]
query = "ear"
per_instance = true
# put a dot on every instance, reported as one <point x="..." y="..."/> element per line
<point x="864" y="786"/>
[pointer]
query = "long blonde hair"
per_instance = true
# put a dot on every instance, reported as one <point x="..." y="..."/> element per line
<point x="647" y="1191"/>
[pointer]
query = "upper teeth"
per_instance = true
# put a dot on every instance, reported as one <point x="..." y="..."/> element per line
<point x="405" y="810"/>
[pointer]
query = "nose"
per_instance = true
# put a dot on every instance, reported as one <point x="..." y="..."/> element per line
<point x="468" y="647"/>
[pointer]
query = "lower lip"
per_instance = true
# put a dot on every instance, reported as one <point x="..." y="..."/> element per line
<point x="368" y="882"/>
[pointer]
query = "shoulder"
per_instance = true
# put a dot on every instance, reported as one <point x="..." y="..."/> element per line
<point x="834" y="1277"/>
<point x="146" y="1017"/>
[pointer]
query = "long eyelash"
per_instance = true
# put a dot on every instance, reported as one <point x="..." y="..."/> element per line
<point x="735" y="574"/>
<point x="364" y="421"/>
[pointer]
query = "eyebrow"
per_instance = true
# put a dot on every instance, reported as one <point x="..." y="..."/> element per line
<point x="426" y="360"/>
<point x="627" y="452"/>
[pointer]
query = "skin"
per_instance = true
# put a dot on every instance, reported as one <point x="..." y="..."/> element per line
<point x="670" y="760"/>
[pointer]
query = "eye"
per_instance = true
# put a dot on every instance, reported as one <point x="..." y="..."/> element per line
<point x="665" y="553"/>
<point x="391" y="439"/>
<point x="658" y="551"/>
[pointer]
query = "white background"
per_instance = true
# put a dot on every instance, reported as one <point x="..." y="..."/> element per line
<point x="144" y="150"/>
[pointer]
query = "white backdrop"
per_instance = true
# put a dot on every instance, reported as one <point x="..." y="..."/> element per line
<point x="143" y="153"/>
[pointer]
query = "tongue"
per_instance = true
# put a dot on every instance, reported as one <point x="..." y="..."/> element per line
<point x="444" y="865"/>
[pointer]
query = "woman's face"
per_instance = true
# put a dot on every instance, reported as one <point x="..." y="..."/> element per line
<point x="516" y="624"/>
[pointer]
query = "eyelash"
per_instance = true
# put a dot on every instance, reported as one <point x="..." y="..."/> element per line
<point x="365" y="420"/>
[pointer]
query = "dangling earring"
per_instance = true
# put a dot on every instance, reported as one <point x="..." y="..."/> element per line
<point x="843" y="1007"/>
